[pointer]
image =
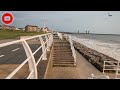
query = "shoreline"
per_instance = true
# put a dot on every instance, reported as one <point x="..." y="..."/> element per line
<point x="97" y="34"/>
<point x="111" y="50"/>
<point x="95" y="58"/>
<point x="93" y="34"/>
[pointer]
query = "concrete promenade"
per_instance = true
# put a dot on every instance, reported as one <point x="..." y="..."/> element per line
<point x="81" y="71"/>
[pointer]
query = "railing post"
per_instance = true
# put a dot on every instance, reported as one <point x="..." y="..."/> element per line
<point x="50" y="40"/>
<point x="117" y="69"/>
<point x="60" y="35"/>
<point x="43" y="49"/>
<point x="48" y="44"/>
<point x="31" y="62"/>
<point x="103" y="66"/>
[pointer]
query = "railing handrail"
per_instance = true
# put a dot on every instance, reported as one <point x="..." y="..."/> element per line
<point x="17" y="41"/>
<point x="68" y="38"/>
<point x="30" y="56"/>
<point x="60" y="35"/>
<point x="72" y="48"/>
<point x="115" y="67"/>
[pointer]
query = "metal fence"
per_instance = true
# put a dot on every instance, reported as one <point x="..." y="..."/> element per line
<point x="45" y="45"/>
<point x="68" y="37"/>
<point x="72" y="48"/>
<point x="115" y="66"/>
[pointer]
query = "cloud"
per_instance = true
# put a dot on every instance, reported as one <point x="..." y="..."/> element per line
<point x="96" y="21"/>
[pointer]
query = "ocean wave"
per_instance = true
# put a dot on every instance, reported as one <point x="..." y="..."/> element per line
<point x="110" y="49"/>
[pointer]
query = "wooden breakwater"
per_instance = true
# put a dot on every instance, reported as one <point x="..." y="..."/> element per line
<point x="95" y="58"/>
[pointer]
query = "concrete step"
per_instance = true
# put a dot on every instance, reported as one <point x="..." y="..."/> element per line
<point x="59" y="60"/>
<point x="61" y="45"/>
<point x="64" y="65"/>
<point x="62" y="50"/>
<point x="68" y="47"/>
<point x="55" y="37"/>
<point x="63" y="59"/>
<point x="63" y="41"/>
<point x="60" y="57"/>
<point x="62" y="54"/>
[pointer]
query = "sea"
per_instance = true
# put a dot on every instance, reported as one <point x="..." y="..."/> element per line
<point x="109" y="38"/>
<point x="108" y="44"/>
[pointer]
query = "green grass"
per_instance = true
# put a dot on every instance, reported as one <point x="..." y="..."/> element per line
<point x="10" y="34"/>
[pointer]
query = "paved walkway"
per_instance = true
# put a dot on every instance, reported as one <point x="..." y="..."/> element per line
<point x="81" y="71"/>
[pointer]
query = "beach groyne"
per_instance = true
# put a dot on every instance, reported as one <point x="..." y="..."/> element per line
<point x="95" y="58"/>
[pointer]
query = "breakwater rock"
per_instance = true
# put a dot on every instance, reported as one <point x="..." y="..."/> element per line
<point x="95" y="58"/>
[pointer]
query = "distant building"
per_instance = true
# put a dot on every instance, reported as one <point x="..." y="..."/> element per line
<point x="31" y="28"/>
<point x="45" y="29"/>
<point x="12" y="27"/>
<point x="6" y="27"/>
<point x="39" y="29"/>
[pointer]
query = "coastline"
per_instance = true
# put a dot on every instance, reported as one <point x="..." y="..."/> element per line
<point x="108" y="49"/>
<point x="97" y="34"/>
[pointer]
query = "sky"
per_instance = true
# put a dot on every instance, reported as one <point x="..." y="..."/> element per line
<point x="69" y="21"/>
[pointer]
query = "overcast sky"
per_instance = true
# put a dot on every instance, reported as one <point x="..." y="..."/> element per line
<point x="94" y="21"/>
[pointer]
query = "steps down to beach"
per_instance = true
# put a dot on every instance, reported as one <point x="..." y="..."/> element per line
<point x="62" y="53"/>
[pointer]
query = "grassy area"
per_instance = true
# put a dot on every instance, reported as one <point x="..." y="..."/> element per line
<point x="9" y="34"/>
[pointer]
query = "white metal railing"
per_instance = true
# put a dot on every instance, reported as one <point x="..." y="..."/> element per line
<point x="114" y="67"/>
<point x="60" y="35"/>
<point x="68" y="37"/>
<point x="30" y="56"/>
<point x="72" y="48"/>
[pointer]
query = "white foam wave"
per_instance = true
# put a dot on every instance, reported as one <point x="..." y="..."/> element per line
<point x="110" y="49"/>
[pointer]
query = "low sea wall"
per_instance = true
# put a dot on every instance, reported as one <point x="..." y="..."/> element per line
<point x="95" y="58"/>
